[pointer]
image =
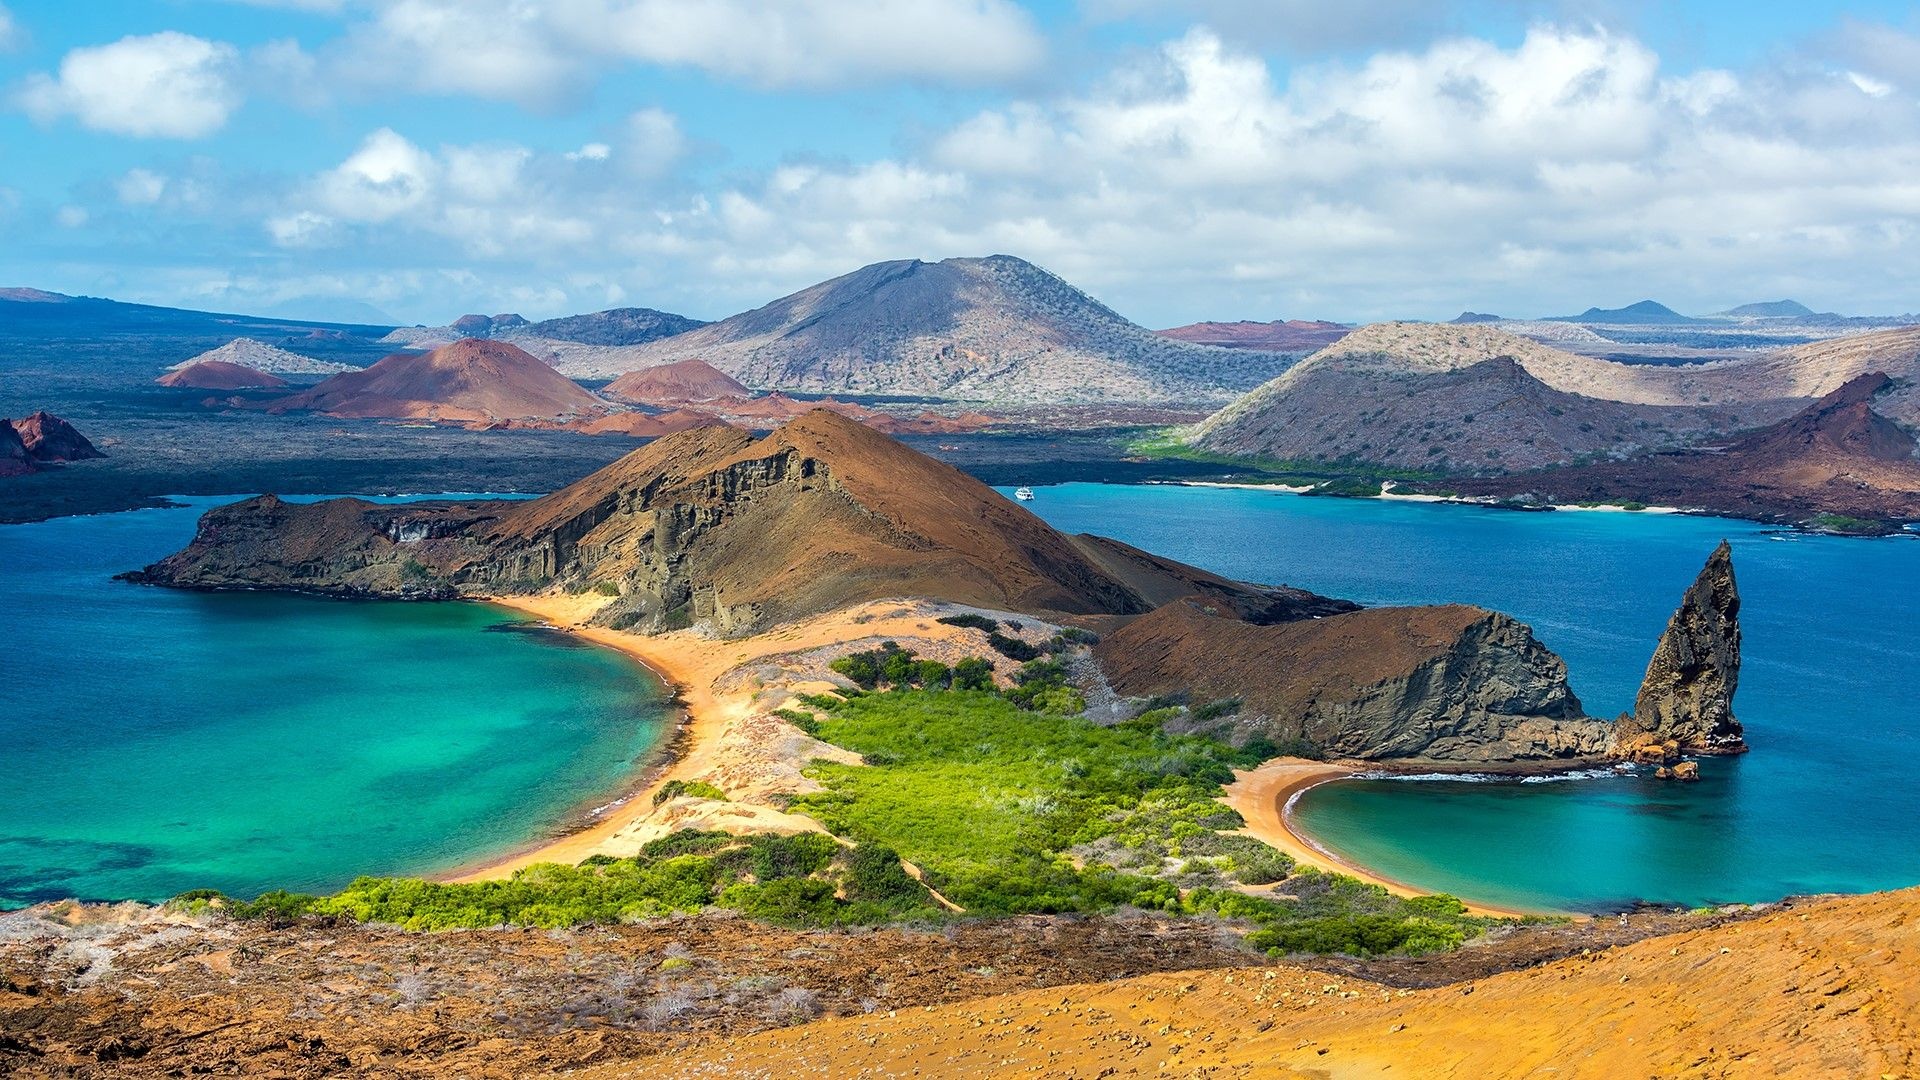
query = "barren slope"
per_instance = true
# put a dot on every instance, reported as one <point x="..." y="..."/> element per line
<point x="993" y="329"/>
<point x="1836" y="456"/>
<point x="1463" y="398"/>
<point x="219" y="375"/>
<point x="1831" y="989"/>
<point x="679" y="383"/>
<point x="717" y="527"/>
<point x="1449" y="683"/>
<point x="469" y="380"/>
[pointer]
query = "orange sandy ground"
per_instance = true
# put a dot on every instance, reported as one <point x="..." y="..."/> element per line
<point x="1830" y="990"/>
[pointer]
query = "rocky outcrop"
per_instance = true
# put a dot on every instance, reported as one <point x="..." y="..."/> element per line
<point x="1453" y="684"/>
<point x="1686" y="699"/>
<point x="717" y="528"/>
<point x="41" y="439"/>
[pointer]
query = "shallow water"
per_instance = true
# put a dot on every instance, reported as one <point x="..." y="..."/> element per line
<point x="157" y="740"/>
<point x="1828" y="800"/>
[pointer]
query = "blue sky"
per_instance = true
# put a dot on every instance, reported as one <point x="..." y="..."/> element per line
<point x="1181" y="159"/>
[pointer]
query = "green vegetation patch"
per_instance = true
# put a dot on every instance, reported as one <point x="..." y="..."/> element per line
<point x="803" y="880"/>
<point x="1009" y="811"/>
<point x="1007" y="799"/>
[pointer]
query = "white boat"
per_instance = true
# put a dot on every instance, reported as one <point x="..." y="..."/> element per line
<point x="1024" y="494"/>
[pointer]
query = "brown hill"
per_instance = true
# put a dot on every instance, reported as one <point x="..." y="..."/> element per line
<point x="469" y="380"/>
<point x="219" y="375"/>
<point x="715" y="526"/>
<point x="1837" y="456"/>
<point x="1451" y="683"/>
<point x="683" y="382"/>
<point x="40" y="439"/>
<point x="1815" y="991"/>
<point x="1460" y="398"/>
<point x="1290" y="335"/>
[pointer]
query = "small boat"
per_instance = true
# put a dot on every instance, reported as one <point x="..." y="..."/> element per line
<point x="1024" y="494"/>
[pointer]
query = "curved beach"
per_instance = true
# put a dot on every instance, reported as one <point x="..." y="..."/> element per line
<point x="1263" y="795"/>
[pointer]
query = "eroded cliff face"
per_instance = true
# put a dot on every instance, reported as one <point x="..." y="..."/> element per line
<point x="1686" y="699"/>
<point x="1450" y="684"/>
<point x="717" y="529"/>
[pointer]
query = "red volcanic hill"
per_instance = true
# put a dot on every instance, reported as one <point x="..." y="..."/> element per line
<point x="220" y="375"/>
<point x="470" y="380"/>
<point x="40" y="439"/>
<point x="680" y="383"/>
<point x="1836" y="456"/>
<point x="1290" y="335"/>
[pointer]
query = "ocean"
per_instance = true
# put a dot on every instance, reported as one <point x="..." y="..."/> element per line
<point x="154" y="741"/>
<point x="1826" y="801"/>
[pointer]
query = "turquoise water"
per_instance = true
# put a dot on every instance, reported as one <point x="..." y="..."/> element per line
<point x="1828" y="800"/>
<point x="156" y="741"/>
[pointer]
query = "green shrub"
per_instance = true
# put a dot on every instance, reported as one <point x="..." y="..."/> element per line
<point x="973" y="673"/>
<point x="805" y="721"/>
<point x="1214" y="710"/>
<point x="971" y="621"/>
<point x="699" y="789"/>
<point x="607" y="588"/>
<point x="800" y="855"/>
<point x="1011" y="647"/>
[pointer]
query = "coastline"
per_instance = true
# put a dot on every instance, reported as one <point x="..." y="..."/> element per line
<point x="713" y="738"/>
<point x="726" y="734"/>
<point x="1264" y="795"/>
<point x="568" y="614"/>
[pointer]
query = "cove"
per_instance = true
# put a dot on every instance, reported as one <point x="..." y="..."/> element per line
<point x="1826" y="800"/>
<point x="156" y="741"/>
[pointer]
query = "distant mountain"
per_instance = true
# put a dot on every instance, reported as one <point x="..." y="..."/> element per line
<point x="470" y="381"/>
<point x="1291" y="335"/>
<point x="683" y="382"/>
<point x="37" y="311"/>
<point x="219" y="375"/>
<point x="994" y="329"/>
<point x="1450" y="397"/>
<point x="1836" y="456"/>
<point x="1466" y="317"/>
<point x="259" y="356"/>
<point x="615" y="326"/>
<point x="1644" y="313"/>
<point x="1772" y="309"/>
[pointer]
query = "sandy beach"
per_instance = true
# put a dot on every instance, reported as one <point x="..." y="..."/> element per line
<point x="1262" y="796"/>
<point x="728" y="736"/>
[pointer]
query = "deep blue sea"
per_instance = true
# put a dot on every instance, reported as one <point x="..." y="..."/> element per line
<point x="153" y="741"/>
<point x="1828" y="799"/>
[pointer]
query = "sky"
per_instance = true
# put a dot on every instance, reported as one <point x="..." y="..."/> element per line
<point x="1181" y="160"/>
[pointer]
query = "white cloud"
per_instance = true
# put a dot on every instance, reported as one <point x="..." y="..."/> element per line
<point x="388" y="176"/>
<point x="71" y="217"/>
<point x="141" y="187"/>
<point x="9" y="30"/>
<point x="1198" y="180"/>
<point x="538" y="54"/>
<point x="165" y="85"/>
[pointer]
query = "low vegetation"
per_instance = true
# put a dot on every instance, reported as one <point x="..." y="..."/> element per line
<point x="805" y="880"/>
<point x="1006" y="798"/>
<point x="1348" y="477"/>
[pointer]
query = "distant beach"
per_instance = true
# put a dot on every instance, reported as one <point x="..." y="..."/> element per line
<point x="1264" y="795"/>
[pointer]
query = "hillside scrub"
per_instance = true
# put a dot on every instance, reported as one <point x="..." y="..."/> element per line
<point x="1007" y="800"/>
<point x="1007" y="811"/>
